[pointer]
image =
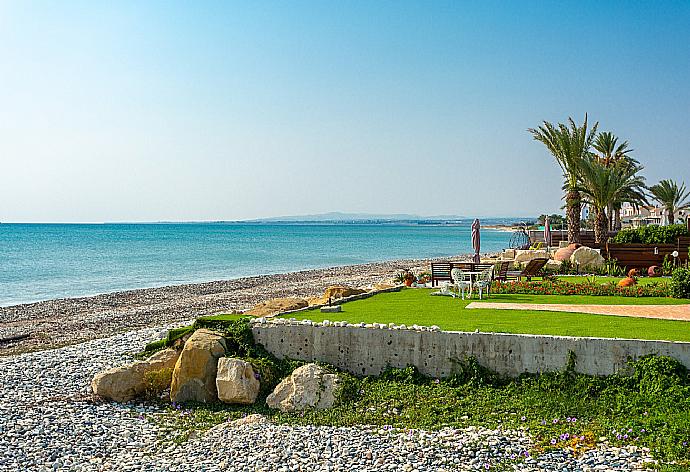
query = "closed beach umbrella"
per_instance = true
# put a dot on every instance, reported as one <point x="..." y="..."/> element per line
<point x="547" y="232"/>
<point x="476" y="240"/>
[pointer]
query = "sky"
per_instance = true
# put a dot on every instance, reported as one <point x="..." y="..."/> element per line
<point x="189" y="111"/>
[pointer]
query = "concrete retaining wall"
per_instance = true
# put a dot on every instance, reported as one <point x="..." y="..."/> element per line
<point x="369" y="350"/>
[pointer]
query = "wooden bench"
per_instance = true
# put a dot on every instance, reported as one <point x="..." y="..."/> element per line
<point x="440" y="271"/>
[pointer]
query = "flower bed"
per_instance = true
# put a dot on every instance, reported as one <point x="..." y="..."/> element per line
<point x="549" y="287"/>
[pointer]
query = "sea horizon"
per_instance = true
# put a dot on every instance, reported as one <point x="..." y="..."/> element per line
<point x="45" y="261"/>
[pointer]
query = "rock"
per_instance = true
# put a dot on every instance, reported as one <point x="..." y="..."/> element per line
<point x="553" y="264"/>
<point x="587" y="257"/>
<point x="236" y="381"/>
<point x="309" y="386"/>
<point x="382" y="286"/>
<point x="194" y="377"/>
<point x="277" y="305"/>
<point x="335" y="292"/>
<point x="654" y="271"/>
<point x="508" y="254"/>
<point x="127" y="382"/>
<point x="331" y="309"/>
<point x="341" y="291"/>
<point x="527" y="255"/>
<point x="564" y="253"/>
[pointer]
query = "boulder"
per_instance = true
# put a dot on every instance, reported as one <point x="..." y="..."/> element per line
<point x="564" y="253"/>
<point x="309" y="386"/>
<point x="236" y="381"/>
<point x="383" y="286"/>
<point x="194" y="377"/>
<point x="277" y="305"/>
<point x="527" y="255"/>
<point x="341" y="291"/>
<point x="553" y="264"/>
<point x="336" y="291"/>
<point x="127" y="382"/>
<point x="587" y="257"/>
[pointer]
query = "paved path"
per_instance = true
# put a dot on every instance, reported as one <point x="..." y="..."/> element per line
<point x="665" y="312"/>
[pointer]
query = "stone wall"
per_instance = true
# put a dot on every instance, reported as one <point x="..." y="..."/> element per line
<point x="369" y="349"/>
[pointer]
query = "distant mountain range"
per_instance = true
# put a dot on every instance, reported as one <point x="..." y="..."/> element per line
<point x="351" y="217"/>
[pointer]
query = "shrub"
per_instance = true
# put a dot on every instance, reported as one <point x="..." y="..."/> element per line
<point x="651" y="234"/>
<point x="157" y="382"/>
<point x="557" y="287"/>
<point x="680" y="283"/>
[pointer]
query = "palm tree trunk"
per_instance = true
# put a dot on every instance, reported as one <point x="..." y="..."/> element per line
<point x="609" y="217"/>
<point x="671" y="216"/>
<point x="573" y="210"/>
<point x="600" y="226"/>
<point x="617" y="220"/>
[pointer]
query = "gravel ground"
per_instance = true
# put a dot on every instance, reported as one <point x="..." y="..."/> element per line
<point x="49" y="423"/>
<point x="61" y="322"/>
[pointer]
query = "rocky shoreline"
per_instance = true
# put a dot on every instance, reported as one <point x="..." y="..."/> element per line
<point x="54" y="323"/>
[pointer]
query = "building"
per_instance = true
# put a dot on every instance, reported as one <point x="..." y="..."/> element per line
<point x="636" y="217"/>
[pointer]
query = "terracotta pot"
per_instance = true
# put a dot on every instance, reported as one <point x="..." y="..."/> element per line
<point x="408" y="282"/>
<point x="627" y="282"/>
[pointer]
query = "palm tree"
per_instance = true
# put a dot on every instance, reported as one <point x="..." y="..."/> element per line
<point x="569" y="144"/>
<point x="603" y="185"/>
<point x="671" y="197"/>
<point x="610" y="153"/>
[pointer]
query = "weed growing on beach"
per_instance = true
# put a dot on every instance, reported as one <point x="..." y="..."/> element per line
<point x="650" y="406"/>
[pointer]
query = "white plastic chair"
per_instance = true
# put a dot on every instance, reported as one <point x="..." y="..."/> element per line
<point x="484" y="281"/>
<point x="461" y="281"/>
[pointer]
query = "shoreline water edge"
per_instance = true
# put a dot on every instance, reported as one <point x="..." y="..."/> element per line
<point x="59" y="322"/>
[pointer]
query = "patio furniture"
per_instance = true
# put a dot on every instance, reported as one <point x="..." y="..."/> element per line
<point x="536" y="246"/>
<point x="440" y="271"/>
<point x="461" y="281"/>
<point x="484" y="281"/>
<point x="532" y="269"/>
<point x="501" y="271"/>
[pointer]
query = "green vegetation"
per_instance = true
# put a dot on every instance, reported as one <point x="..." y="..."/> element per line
<point x="569" y="144"/>
<point x="550" y="286"/>
<point x="671" y="196"/>
<point x="651" y="234"/>
<point x="607" y="186"/>
<point x="650" y="407"/>
<point x="680" y="283"/>
<point x="417" y="306"/>
<point x="580" y="279"/>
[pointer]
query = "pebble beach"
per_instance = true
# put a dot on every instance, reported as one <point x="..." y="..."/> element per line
<point x="51" y="422"/>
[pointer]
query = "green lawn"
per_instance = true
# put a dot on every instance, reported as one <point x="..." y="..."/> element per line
<point x="417" y="306"/>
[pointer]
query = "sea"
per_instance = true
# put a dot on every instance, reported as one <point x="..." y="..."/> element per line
<point x="48" y="261"/>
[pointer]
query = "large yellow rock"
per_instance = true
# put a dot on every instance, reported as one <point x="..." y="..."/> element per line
<point x="277" y="305"/>
<point x="194" y="377"/>
<point x="236" y="381"/>
<point x="334" y="292"/>
<point x="308" y="387"/>
<point x="127" y="382"/>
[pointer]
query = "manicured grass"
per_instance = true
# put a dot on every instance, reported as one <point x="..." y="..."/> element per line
<point x="417" y="306"/>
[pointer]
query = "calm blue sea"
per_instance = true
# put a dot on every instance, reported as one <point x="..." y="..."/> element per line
<point x="45" y="261"/>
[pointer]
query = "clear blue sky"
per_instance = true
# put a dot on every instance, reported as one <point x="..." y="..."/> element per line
<point x="223" y="110"/>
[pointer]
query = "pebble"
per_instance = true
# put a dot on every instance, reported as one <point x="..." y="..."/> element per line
<point x="50" y="423"/>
